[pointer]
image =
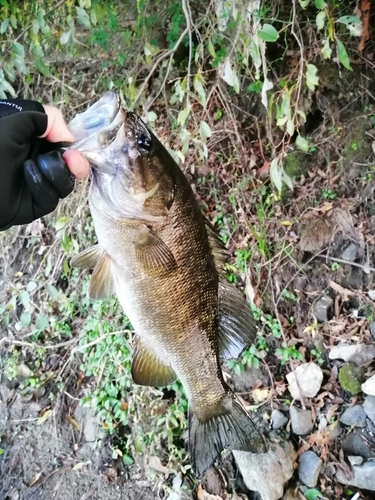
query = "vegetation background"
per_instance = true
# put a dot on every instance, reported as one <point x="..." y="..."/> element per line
<point x="268" y="107"/>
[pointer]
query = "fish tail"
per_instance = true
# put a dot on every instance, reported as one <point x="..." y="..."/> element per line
<point x="228" y="426"/>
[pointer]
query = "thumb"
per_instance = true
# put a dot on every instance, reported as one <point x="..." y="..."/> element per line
<point x="56" y="131"/>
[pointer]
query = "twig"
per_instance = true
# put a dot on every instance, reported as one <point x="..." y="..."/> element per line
<point x="39" y="346"/>
<point x="364" y="267"/>
<point x="156" y="64"/>
<point x="186" y="9"/>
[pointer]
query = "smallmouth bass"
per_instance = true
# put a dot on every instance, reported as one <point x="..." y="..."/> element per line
<point x="165" y="262"/>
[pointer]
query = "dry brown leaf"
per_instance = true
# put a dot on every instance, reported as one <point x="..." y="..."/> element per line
<point x="155" y="463"/>
<point x="35" y="479"/>
<point x="203" y="495"/>
<point x="260" y="394"/>
<point x="344" y="292"/>
<point x="364" y="7"/>
<point x="331" y="412"/>
<point x="46" y="416"/>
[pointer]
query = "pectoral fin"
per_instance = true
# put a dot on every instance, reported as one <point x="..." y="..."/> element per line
<point x="153" y="254"/>
<point x="102" y="282"/>
<point x="237" y="326"/>
<point x="88" y="258"/>
<point x="147" y="369"/>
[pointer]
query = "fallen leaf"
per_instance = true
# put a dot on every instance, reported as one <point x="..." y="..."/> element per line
<point x="344" y="292"/>
<point x="73" y="423"/>
<point x="155" y="463"/>
<point x="34" y="480"/>
<point x="364" y="9"/>
<point x="260" y="394"/>
<point x="46" y="416"/>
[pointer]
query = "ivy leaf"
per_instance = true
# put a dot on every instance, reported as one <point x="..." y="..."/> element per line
<point x="302" y="143"/>
<point x="268" y="33"/>
<point x="342" y="54"/>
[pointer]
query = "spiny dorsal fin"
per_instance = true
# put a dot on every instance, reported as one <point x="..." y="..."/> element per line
<point x="102" y="283"/>
<point x="147" y="369"/>
<point x="88" y="258"/>
<point x="153" y="254"/>
<point x="237" y="326"/>
<point x="219" y="252"/>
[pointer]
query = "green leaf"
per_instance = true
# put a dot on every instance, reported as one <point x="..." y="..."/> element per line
<point x="320" y="4"/>
<point x="276" y="174"/>
<point x="42" y="67"/>
<point x="182" y="116"/>
<point x="342" y="54"/>
<point x="18" y="49"/>
<point x="52" y="292"/>
<point x="31" y="286"/>
<point x="4" y="26"/>
<point x="204" y="130"/>
<point x="25" y="298"/>
<point x="349" y="20"/>
<point x="25" y="319"/>
<point x="83" y="17"/>
<point x="312" y="494"/>
<point x="268" y="33"/>
<point x="198" y="86"/>
<point x="304" y="3"/>
<point x="320" y="18"/>
<point x="326" y="50"/>
<point x="302" y="143"/>
<point x="42" y="323"/>
<point x="312" y="80"/>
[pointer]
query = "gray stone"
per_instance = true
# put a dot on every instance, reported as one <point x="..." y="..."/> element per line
<point x="278" y="419"/>
<point x="356" y="353"/>
<point x="309" y="377"/>
<point x="355" y="460"/>
<point x="350" y="253"/>
<point x="363" y="476"/>
<point x="354" y="416"/>
<point x="368" y="387"/>
<point x="372" y="329"/>
<point x="371" y="294"/>
<point x="309" y="466"/>
<point x="267" y="473"/>
<point x="301" y="421"/>
<point x="369" y="407"/>
<point x="321" y="308"/>
<point x="354" y="444"/>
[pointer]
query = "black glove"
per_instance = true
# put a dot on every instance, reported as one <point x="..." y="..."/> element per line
<point x="33" y="175"/>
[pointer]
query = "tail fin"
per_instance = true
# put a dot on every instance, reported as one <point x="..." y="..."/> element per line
<point x="229" y="427"/>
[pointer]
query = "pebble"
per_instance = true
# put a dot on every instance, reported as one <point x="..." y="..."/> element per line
<point x="357" y="353"/>
<point x="363" y="476"/>
<point x="372" y="329"/>
<point x="309" y="377"/>
<point x="353" y="444"/>
<point x="278" y="419"/>
<point x="268" y="472"/>
<point x="301" y="421"/>
<point x="355" y="460"/>
<point x="321" y="309"/>
<point x="350" y="253"/>
<point x="369" y="407"/>
<point x="368" y="387"/>
<point x="354" y="416"/>
<point x="309" y="466"/>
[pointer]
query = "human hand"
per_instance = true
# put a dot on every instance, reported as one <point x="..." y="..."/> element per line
<point x="33" y="174"/>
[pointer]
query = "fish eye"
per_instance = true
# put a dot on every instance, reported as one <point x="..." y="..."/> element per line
<point x="145" y="142"/>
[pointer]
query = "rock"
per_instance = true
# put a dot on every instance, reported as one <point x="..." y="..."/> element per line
<point x="267" y="473"/>
<point x="357" y="353"/>
<point x="354" y="279"/>
<point x="181" y="489"/>
<point x="350" y="253"/>
<point x="278" y="419"/>
<point x="372" y="329"/>
<point x="350" y="378"/>
<point x="371" y="294"/>
<point x="369" y="407"/>
<point x="309" y="377"/>
<point x="355" y="460"/>
<point x="301" y="421"/>
<point x="354" y="416"/>
<point x="353" y="444"/>
<point x="24" y="372"/>
<point x="363" y="476"/>
<point x="309" y="465"/>
<point x="369" y="386"/>
<point x="321" y="309"/>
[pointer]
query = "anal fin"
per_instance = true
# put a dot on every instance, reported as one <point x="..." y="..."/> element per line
<point x="237" y="326"/>
<point x="147" y="369"/>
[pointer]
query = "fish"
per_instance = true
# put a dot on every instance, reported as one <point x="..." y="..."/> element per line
<point x="165" y="262"/>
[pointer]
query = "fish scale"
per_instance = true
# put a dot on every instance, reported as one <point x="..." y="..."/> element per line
<point x="164" y="261"/>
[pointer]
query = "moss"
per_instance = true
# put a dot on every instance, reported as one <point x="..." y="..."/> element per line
<point x="296" y="164"/>
<point x="357" y="145"/>
<point x="350" y="378"/>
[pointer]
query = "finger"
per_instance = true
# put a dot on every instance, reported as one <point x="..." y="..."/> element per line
<point x="77" y="163"/>
<point x="45" y="196"/>
<point x="57" y="131"/>
<point x="56" y="172"/>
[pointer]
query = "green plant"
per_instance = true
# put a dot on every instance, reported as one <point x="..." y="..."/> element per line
<point x="286" y="353"/>
<point x="248" y="359"/>
<point x="328" y="194"/>
<point x="335" y="266"/>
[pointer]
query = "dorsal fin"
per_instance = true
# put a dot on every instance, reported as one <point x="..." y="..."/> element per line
<point x="147" y="369"/>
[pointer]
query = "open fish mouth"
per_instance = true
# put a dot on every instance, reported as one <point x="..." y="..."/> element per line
<point x="92" y="126"/>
